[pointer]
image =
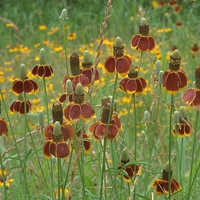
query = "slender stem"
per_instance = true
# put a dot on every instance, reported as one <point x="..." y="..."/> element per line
<point x="170" y="141"/>
<point x="193" y="152"/>
<point x="65" y="47"/>
<point x="4" y="178"/>
<point x="59" y="172"/>
<point x="105" y="139"/>
<point x="141" y="55"/>
<point x="46" y="100"/>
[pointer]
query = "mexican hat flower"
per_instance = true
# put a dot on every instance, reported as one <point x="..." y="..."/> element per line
<point x="69" y="92"/>
<point x="118" y="62"/>
<point x="3" y="127"/>
<point x="43" y="69"/>
<point x="162" y="184"/>
<point x="58" y="135"/>
<point x="88" y="69"/>
<point x="4" y="179"/>
<point x="78" y="108"/>
<point x="132" y="83"/>
<point x="192" y="95"/>
<point x="101" y="128"/>
<point x="174" y="78"/>
<point x="20" y="106"/>
<point x="143" y="41"/>
<point x="127" y="169"/>
<point x="24" y="84"/>
<point x="77" y="76"/>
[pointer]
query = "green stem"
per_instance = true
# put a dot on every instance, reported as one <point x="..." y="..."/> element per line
<point x="65" y="47"/>
<point x="105" y="139"/>
<point x="141" y="55"/>
<point x="193" y="152"/>
<point x="59" y="173"/>
<point x="4" y="178"/>
<point x="170" y="141"/>
<point x="46" y="100"/>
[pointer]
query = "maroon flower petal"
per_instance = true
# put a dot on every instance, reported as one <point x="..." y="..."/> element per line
<point x="30" y="86"/>
<point x="75" y="112"/>
<point x="46" y="149"/>
<point x="112" y="132"/>
<point x="48" y="131"/>
<point x="122" y="66"/>
<point x="100" y="131"/>
<point x="22" y="107"/>
<point x="141" y="85"/>
<point x="129" y="175"/>
<point x="87" y="111"/>
<point x="123" y="83"/>
<point x="66" y="112"/>
<point x="131" y="86"/>
<point x="135" y="40"/>
<point x="17" y="86"/>
<point x="110" y="64"/>
<point x="83" y="79"/>
<point x="3" y="127"/>
<point x="152" y="43"/>
<point x="143" y="45"/>
<point x="196" y="101"/>
<point x="41" y="71"/>
<point x="35" y="70"/>
<point x="59" y="150"/>
<point x="183" y="78"/>
<point x="48" y="71"/>
<point x="68" y="132"/>
<point x="189" y="96"/>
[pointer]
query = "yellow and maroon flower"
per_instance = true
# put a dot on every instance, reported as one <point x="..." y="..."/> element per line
<point x="194" y="48"/>
<point x="99" y="128"/>
<point x="162" y="184"/>
<point x="69" y="92"/>
<point x="173" y="2"/>
<point x="5" y="178"/>
<point x="118" y="62"/>
<point x="78" y="109"/>
<point x="43" y="69"/>
<point x="132" y="83"/>
<point x="24" y="84"/>
<point x="19" y="106"/>
<point x="174" y="79"/>
<point x="192" y="95"/>
<point x="3" y="127"/>
<point x="76" y="76"/>
<point x="58" y="139"/>
<point x="126" y="168"/>
<point x="87" y="69"/>
<point x="143" y="41"/>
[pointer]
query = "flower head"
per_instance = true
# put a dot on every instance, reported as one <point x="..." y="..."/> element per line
<point x="119" y="62"/>
<point x="58" y="135"/>
<point x="24" y="84"/>
<point x="174" y="79"/>
<point x="162" y="184"/>
<point x="3" y="127"/>
<point x="143" y="41"/>
<point x="127" y="169"/>
<point x="132" y="83"/>
<point x="100" y="128"/>
<point x="192" y="95"/>
<point x="78" y="109"/>
<point x="43" y="69"/>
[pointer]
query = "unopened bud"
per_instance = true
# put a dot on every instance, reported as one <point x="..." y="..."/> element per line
<point x="63" y="14"/>
<point x="118" y="42"/>
<point x="42" y="56"/>
<point x="57" y="129"/>
<point x="124" y="156"/>
<point x="176" y="117"/>
<point x="41" y="118"/>
<point x="22" y="69"/>
<point x="79" y="89"/>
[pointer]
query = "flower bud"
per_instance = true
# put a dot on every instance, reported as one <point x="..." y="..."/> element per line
<point x="158" y="67"/>
<point x="182" y="112"/>
<point x="194" y="84"/>
<point x="143" y="22"/>
<point x="146" y="116"/>
<point x="176" y="117"/>
<point x="41" y="118"/>
<point x="63" y="14"/>
<point x="124" y="156"/>
<point x="69" y="87"/>
<point x="57" y="129"/>
<point x="86" y="57"/>
<point x="176" y="54"/>
<point x="42" y="56"/>
<point x="22" y="69"/>
<point x="160" y="77"/>
<point x="79" y="89"/>
<point x="118" y="42"/>
<point x="142" y="135"/>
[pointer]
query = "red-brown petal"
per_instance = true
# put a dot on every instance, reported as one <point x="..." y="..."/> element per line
<point x="183" y="79"/>
<point x="59" y="150"/>
<point x="172" y="82"/>
<point x="46" y="149"/>
<point x="100" y="131"/>
<point x="41" y="71"/>
<point x="30" y="86"/>
<point x="131" y="86"/>
<point x="3" y="127"/>
<point x="196" y="101"/>
<point x="75" y="112"/>
<point x="110" y="64"/>
<point x="35" y="70"/>
<point x="48" y="131"/>
<point x="18" y="86"/>
<point x="189" y="96"/>
<point x="68" y="132"/>
<point x="135" y="40"/>
<point x="66" y="112"/>
<point x="143" y="45"/>
<point x="152" y="43"/>
<point x="48" y="71"/>
<point x="83" y="79"/>
<point x="113" y="130"/>
<point x="122" y="65"/>
<point x="87" y="111"/>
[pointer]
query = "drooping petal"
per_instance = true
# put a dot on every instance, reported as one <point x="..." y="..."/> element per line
<point x="131" y="86"/>
<point x="116" y="121"/>
<point x="83" y="79"/>
<point x="59" y="150"/>
<point x="48" y="131"/>
<point x="48" y="71"/>
<point x="110" y="64"/>
<point x="63" y="97"/>
<point x="183" y="78"/>
<point x="35" y="70"/>
<point x="93" y="126"/>
<point x="46" y="149"/>
<point x="135" y="40"/>
<point x="3" y="127"/>
<point x="100" y="131"/>
<point x="196" y="101"/>
<point x="87" y="112"/>
<point x="112" y="132"/>
<point x="122" y="66"/>
<point x="41" y="71"/>
<point x="189" y="95"/>
<point x="129" y="175"/>
<point x="66" y="112"/>
<point x="123" y="83"/>
<point x="75" y="112"/>
<point x="68" y="132"/>
<point x="22" y="107"/>
<point x="17" y="86"/>
<point x="175" y="185"/>
<point x="152" y="43"/>
<point x="143" y="45"/>
<point x="30" y="86"/>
